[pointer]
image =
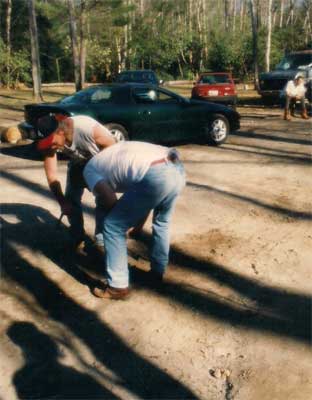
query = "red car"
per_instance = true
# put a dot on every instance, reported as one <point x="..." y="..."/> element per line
<point x="217" y="87"/>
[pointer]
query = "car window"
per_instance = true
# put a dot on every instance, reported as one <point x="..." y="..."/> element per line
<point x="148" y="95"/>
<point x="166" y="98"/>
<point x="293" y="61"/>
<point x="101" y="95"/>
<point x="145" y="95"/>
<point x="92" y="95"/>
<point x="215" y="79"/>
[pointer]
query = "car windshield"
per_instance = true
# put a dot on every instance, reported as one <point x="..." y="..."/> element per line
<point x="214" y="79"/>
<point x="137" y="76"/>
<point x="293" y="61"/>
<point x="90" y="95"/>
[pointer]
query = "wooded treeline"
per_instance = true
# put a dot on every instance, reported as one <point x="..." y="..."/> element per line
<point x="94" y="39"/>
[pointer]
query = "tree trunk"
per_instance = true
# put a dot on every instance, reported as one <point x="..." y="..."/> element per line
<point x="83" y="42"/>
<point x="253" y="15"/>
<point x="8" y="39"/>
<point x="282" y="14"/>
<point x="8" y="24"/>
<point x="226" y="14"/>
<point x="74" y="42"/>
<point x="242" y="15"/>
<point x="290" y="18"/>
<point x="35" y="61"/>
<point x="269" y="34"/>
<point x="234" y="16"/>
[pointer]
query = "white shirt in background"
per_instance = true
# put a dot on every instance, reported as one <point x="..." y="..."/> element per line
<point x="293" y="90"/>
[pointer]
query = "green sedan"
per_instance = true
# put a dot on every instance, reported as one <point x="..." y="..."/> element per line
<point x="145" y="112"/>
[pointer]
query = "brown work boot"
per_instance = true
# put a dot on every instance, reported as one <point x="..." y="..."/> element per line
<point x="111" y="293"/>
<point x="287" y="116"/>
<point x="304" y="115"/>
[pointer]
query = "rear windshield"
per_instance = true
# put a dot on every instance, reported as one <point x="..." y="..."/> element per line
<point x="215" y="79"/>
<point x="293" y="61"/>
<point x="91" y="95"/>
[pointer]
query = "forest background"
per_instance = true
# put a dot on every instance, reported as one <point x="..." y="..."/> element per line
<point x="92" y="40"/>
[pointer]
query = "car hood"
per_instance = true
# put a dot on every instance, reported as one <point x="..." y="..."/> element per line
<point x="279" y="74"/>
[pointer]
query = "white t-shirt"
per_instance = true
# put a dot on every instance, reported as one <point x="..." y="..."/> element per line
<point x="295" y="91"/>
<point x="122" y="164"/>
<point x="83" y="146"/>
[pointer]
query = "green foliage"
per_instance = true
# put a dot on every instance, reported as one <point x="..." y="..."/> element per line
<point x="98" y="62"/>
<point x="231" y="53"/>
<point x="14" y="67"/>
<point x="166" y="38"/>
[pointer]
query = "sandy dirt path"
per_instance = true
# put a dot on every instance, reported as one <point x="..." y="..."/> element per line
<point x="233" y="318"/>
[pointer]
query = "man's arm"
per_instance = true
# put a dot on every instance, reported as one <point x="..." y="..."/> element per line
<point x="50" y="167"/>
<point x="102" y="136"/>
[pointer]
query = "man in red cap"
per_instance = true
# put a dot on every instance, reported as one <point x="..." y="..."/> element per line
<point x="80" y="138"/>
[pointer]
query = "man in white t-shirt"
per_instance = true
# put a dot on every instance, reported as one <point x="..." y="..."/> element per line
<point x="150" y="178"/>
<point x="80" y="138"/>
<point x="295" y="91"/>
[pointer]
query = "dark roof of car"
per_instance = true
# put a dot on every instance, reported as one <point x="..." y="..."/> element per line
<point x="126" y="84"/>
<point x="136" y="70"/>
<point x="300" y="52"/>
<point x="215" y="73"/>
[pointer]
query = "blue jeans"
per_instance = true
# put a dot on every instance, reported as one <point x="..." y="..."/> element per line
<point x="157" y="191"/>
<point x="75" y="185"/>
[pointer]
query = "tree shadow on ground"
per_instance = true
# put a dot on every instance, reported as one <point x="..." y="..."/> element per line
<point x="274" y="310"/>
<point x="286" y="212"/>
<point x="287" y="153"/>
<point x="26" y="151"/>
<point x="136" y="374"/>
<point x="263" y="136"/>
<point x="42" y="375"/>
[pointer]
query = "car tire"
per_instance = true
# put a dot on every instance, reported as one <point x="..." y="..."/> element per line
<point x="118" y="131"/>
<point x="217" y="130"/>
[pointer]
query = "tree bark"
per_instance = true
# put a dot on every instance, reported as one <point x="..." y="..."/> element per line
<point x="8" y="24"/>
<point x="253" y="15"/>
<point x="35" y="61"/>
<point x="242" y="14"/>
<point x="83" y="42"/>
<point x="282" y="14"/>
<point x="8" y="39"/>
<point x="74" y="43"/>
<point x="226" y="14"/>
<point x="269" y="35"/>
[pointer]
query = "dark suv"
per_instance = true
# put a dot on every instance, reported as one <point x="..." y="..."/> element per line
<point x="271" y="84"/>
<point x="139" y="76"/>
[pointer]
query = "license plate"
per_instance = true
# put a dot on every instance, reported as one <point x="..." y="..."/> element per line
<point x="213" y="92"/>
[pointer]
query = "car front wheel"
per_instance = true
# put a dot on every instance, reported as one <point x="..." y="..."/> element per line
<point x="118" y="131"/>
<point x="217" y="130"/>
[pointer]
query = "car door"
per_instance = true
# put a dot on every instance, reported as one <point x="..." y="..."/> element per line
<point x="158" y="115"/>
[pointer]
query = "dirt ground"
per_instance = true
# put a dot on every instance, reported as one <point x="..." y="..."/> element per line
<point x="233" y="318"/>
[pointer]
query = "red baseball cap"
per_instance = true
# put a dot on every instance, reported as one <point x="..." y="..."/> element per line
<point x="46" y="126"/>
